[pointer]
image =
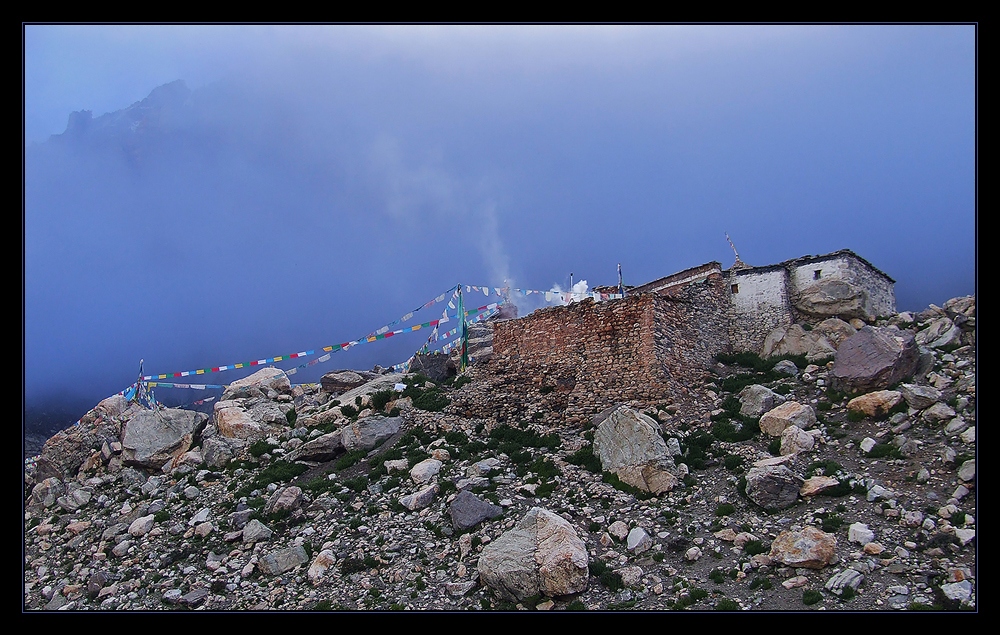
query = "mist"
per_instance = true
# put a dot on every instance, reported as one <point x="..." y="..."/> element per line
<point x="304" y="186"/>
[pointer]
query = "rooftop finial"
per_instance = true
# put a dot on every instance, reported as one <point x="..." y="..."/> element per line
<point x="739" y="264"/>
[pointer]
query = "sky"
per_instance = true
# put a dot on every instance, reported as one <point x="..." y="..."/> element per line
<point x="320" y="182"/>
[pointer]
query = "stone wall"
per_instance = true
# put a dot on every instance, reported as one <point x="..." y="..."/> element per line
<point x="880" y="299"/>
<point x="567" y="363"/>
<point x="759" y="303"/>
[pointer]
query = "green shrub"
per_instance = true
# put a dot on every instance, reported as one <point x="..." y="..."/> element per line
<point x="883" y="450"/>
<point x="576" y="605"/>
<point x="456" y="438"/>
<point x="431" y="400"/>
<point x="351" y="458"/>
<point x="260" y="448"/>
<point x="611" y="581"/>
<point x="762" y="583"/>
<point x="349" y="411"/>
<point x="774" y="446"/>
<point x="725" y="604"/>
<point x="717" y="576"/>
<point x="161" y="516"/>
<point x="597" y="567"/>
<point x="753" y="547"/>
<point x="731" y="432"/>
<point x="724" y="509"/>
<point x="585" y="458"/>
<point x="461" y="381"/>
<point x="733" y="462"/>
<point x="352" y="565"/>
<point x="811" y="596"/>
<point x="380" y="398"/>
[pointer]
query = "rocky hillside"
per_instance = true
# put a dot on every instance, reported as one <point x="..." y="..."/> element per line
<point x="837" y="474"/>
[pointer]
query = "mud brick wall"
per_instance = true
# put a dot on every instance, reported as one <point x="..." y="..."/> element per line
<point x="570" y="362"/>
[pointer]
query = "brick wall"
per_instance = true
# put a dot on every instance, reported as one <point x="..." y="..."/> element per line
<point x="570" y="362"/>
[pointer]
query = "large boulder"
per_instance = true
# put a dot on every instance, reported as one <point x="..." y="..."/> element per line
<point x="819" y="343"/>
<point x="773" y="487"/>
<point x="629" y="444"/>
<point x="786" y="340"/>
<point x="755" y="400"/>
<point x="808" y="548"/>
<point x="873" y="359"/>
<point x="277" y="562"/>
<point x="875" y="404"/>
<point x="834" y="330"/>
<point x="830" y="297"/>
<point x="270" y="381"/>
<point x="232" y="421"/>
<point x="153" y="437"/>
<point x="468" y="510"/>
<point x="65" y="451"/>
<point x="940" y="332"/>
<point x="339" y="381"/>
<point x="790" y="413"/>
<point x="437" y="366"/>
<point x="365" y="434"/>
<point x="542" y="554"/>
<point x="323" y="448"/>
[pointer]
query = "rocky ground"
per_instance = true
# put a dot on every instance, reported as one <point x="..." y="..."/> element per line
<point x="409" y="511"/>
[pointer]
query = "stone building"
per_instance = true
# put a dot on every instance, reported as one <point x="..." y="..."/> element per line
<point x="807" y="289"/>
<point x="653" y="346"/>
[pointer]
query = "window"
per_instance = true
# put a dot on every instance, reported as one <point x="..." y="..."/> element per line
<point x="817" y="274"/>
<point x="736" y="288"/>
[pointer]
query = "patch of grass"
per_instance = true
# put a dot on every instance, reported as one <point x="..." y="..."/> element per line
<point x="847" y="594"/>
<point x="733" y="462"/>
<point x="322" y="605"/>
<point x="597" y="567"/>
<point x="585" y="458"/>
<point x="260" y="448"/>
<point x="576" y="605"/>
<point x="774" y="446"/>
<point x="461" y="381"/>
<point x="352" y="565"/>
<point x="811" y="596"/>
<point x="884" y="450"/>
<point x="724" y="509"/>
<point x="717" y="576"/>
<point x="920" y="606"/>
<point x="161" y="516"/>
<point x="754" y="547"/>
<point x="611" y="581"/>
<point x="357" y="484"/>
<point x="525" y="437"/>
<point x="350" y="459"/>
<point x="380" y="398"/>
<point x="320" y="485"/>
<point x="349" y="411"/>
<point x="761" y="583"/>
<point x="827" y="468"/>
<point x="725" y="604"/>
<point x="734" y="432"/>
